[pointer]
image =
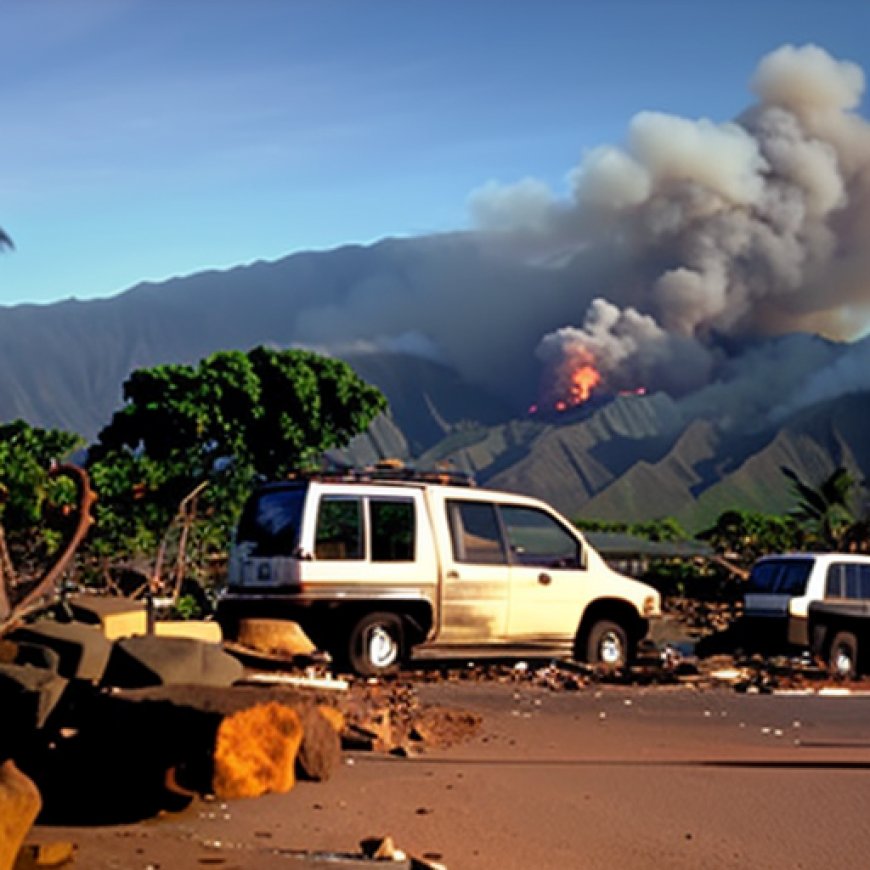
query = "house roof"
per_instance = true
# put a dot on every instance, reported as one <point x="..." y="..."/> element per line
<point x="617" y="544"/>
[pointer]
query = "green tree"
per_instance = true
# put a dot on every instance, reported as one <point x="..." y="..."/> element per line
<point x="234" y="417"/>
<point x="26" y="454"/>
<point x="663" y="529"/>
<point x="744" y="536"/>
<point x="829" y="512"/>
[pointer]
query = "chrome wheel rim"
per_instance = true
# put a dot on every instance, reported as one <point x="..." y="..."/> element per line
<point x="610" y="650"/>
<point x="383" y="650"/>
<point x="842" y="662"/>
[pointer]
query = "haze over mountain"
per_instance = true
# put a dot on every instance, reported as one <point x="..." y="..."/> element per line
<point x="619" y="457"/>
<point x="657" y="342"/>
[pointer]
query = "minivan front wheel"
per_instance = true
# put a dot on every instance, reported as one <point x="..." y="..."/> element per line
<point x="844" y="655"/>
<point x="375" y="645"/>
<point x="607" y="645"/>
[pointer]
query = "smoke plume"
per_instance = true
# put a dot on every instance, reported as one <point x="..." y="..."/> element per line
<point x="695" y="236"/>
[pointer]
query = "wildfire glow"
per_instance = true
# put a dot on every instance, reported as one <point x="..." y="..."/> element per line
<point x="572" y="383"/>
<point x="583" y="382"/>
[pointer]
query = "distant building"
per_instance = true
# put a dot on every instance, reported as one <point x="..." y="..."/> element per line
<point x="632" y="555"/>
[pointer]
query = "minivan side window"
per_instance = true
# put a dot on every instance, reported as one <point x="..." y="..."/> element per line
<point x="781" y="576"/>
<point x="393" y="529"/>
<point x="272" y="520"/>
<point x="535" y="538"/>
<point x="475" y="533"/>
<point x="339" y="529"/>
<point x="848" y="580"/>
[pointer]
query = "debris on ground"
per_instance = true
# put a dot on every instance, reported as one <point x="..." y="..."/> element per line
<point x="44" y="856"/>
<point x="372" y="850"/>
<point x="162" y="720"/>
<point x="102" y="731"/>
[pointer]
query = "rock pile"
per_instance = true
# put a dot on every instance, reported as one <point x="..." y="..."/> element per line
<point x="100" y="731"/>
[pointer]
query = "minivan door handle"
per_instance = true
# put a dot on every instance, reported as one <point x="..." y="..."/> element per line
<point x="544" y="578"/>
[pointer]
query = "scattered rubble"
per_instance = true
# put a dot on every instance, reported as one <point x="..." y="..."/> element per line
<point x="103" y="731"/>
<point x="114" y="729"/>
<point x="378" y="850"/>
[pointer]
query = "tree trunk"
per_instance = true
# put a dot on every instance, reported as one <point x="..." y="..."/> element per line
<point x="7" y="577"/>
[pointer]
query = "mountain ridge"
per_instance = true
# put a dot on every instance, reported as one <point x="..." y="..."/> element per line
<point x="626" y="457"/>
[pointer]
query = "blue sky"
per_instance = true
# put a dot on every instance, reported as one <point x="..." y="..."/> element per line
<point x="143" y="139"/>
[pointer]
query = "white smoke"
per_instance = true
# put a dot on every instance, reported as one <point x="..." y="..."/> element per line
<point x="704" y="233"/>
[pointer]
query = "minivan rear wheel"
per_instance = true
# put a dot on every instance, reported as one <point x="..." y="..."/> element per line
<point x="375" y="645"/>
<point x="843" y="659"/>
<point x="607" y="645"/>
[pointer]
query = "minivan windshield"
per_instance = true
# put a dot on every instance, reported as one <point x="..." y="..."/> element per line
<point x="271" y="521"/>
<point x="780" y="576"/>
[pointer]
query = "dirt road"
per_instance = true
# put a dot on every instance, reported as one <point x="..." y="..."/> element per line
<point x="598" y="778"/>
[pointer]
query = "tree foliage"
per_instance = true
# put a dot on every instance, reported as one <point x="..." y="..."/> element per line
<point x="744" y="536"/>
<point x="830" y="512"/>
<point x="663" y="529"/>
<point x="26" y="454"/>
<point x="234" y="417"/>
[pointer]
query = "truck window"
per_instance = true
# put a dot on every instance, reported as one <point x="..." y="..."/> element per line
<point x="848" y="580"/>
<point x="535" y="538"/>
<point x="781" y="576"/>
<point x="393" y="530"/>
<point x="271" y="521"/>
<point x="475" y="533"/>
<point x="339" y="529"/>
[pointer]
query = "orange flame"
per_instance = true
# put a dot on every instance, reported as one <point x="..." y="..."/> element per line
<point x="583" y="382"/>
<point x="572" y="384"/>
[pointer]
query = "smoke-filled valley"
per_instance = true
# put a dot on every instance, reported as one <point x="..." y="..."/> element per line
<point x="657" y="340"/>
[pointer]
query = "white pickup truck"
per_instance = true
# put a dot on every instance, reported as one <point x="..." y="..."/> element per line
<point x="379" y="570"/>
<point x="781" y="588"/>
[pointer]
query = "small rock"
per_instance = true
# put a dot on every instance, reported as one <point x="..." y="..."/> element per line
<point x="20" y="803"/>
<point x="378" y="848"/>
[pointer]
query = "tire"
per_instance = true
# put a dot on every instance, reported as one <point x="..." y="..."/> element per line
<point x="376" y="644"/>
<point x="608" y="645"/>
<point x="843" y="658"/>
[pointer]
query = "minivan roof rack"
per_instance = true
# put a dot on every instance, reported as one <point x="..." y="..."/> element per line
<point x="389" y="470"/>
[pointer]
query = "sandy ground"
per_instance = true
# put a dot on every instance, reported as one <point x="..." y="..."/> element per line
<point x="601" y="777"/>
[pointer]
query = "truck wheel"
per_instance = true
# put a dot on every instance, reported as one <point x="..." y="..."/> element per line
<point x="376" y="644"/>
<point x="843" y="660"/>
<point x="607" y="645"/>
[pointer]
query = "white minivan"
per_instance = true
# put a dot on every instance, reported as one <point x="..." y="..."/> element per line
<point x="379" y="568"/>
<point x="781" y="587"/>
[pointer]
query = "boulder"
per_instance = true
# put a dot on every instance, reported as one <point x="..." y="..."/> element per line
<point x="198" y="629"/>
<point x="116" y="617"/>
<point x="39" y="856"/>
<point x="19" y="806"/>
<point x="255" y="751"/>
<point x="276" y="636"/>
<point x="83" y="649"/>
<point x="23" y="653"/>
<point x="137" y="662"/>
<point x="320" y="752"/>
<point x="28" y="695"/>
